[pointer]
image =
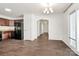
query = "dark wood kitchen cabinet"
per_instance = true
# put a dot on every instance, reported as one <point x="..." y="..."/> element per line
<point x="4" y="22"/>
<point x="11" y="22"/>
<point x="6" y="35"/>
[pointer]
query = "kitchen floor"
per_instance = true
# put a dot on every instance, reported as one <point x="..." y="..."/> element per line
<point x="40" y="47"/>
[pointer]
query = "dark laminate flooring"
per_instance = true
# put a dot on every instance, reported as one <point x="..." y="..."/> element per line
<point x="40" y="47"/>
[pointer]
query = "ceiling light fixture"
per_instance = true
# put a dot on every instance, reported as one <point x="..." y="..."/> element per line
<point x="7" y="9"/>
<point x="47" y="8"/>
<point x="51" y="10"/>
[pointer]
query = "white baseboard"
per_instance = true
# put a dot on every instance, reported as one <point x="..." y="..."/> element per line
<point x="54" y="38"/>
<point x="71" y="47"/>
<point x="77" y="52"/>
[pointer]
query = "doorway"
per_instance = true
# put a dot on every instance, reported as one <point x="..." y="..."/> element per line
<point x="42" y="28"/>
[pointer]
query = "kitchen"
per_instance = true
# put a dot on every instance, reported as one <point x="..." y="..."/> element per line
<point x="10" y="29"/>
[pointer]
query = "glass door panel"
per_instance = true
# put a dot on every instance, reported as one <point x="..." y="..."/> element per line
<point x="72" y="29"/>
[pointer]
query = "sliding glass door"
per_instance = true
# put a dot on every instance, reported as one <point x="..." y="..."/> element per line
<point x="73" y="29"/>
<point x="77" y="29"/>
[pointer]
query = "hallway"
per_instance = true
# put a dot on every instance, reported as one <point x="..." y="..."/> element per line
<point x="40" y="47"/>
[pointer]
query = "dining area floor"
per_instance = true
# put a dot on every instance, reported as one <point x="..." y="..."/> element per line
<point x="39" y="47"/>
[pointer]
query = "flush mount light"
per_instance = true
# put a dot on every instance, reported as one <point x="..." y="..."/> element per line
<point x="7" y="9"/>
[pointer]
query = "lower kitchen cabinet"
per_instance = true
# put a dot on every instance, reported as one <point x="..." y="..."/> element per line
<point x="6" y="35"/>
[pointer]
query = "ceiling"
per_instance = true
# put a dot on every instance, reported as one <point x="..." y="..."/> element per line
<point x="23" y="8"/>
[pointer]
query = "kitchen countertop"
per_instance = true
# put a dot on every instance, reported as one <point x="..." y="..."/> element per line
<point x="7" y="28"/>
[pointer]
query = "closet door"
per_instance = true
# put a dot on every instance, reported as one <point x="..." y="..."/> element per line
<point x="73" y="29"/>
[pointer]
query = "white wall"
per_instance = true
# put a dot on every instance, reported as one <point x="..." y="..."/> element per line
<point x="27" y="27"/>
<point x="66" y="26"/>
<point x="55" y="26"/>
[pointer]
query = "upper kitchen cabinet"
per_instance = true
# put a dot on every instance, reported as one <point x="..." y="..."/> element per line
<point x="4" y="22"/>
<point x="11" y="22"/>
